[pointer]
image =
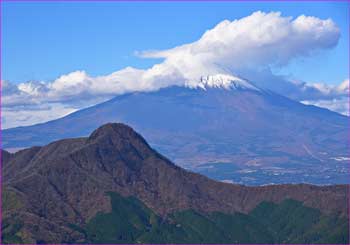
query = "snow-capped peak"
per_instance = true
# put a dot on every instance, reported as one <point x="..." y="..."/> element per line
<point x="224" y="81"/>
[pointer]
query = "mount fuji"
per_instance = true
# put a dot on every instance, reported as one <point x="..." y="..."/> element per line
<point x="222" y="126"/>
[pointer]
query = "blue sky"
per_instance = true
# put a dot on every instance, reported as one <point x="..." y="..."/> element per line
<point x="41" y="41"/>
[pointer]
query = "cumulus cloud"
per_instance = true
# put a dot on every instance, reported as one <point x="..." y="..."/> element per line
<point x="259" y="40"/>
<point x="334" y="98"/>
<point x="248" y="46"/>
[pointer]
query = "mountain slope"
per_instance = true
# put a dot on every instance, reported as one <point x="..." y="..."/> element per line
<point x="237" y="133"/>
<point x="57" y="193"/>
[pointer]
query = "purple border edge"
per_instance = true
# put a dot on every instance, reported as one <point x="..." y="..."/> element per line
<point x="1" y="2"/>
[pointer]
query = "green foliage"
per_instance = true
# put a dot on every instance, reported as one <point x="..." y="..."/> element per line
<point x="288" y="222"/>
<point x="241" y="228"/>
<point x="10" y="201"/>
<point x="10" y="231"/>
<point x="128" y="220"/>
<point x="291" y="222"/>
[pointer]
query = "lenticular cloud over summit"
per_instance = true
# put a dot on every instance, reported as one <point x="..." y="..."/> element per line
<point x="231" y="48"/>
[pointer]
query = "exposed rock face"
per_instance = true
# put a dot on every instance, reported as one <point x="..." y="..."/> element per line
<point x="66" y="181"/>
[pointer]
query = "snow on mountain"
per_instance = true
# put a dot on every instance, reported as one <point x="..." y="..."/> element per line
<point x="224" y="81"/>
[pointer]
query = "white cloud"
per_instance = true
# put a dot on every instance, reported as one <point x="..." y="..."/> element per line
<point x="334" y="98"/>
<point x="340" y="105"/>
<point x="344" y="87"/>
<point x="322" y="90"/>
<point x="23" y="116"/>
<point x="326" y="89"/>
<point x="254" y="43"/>
<point x="259" y="40"/>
